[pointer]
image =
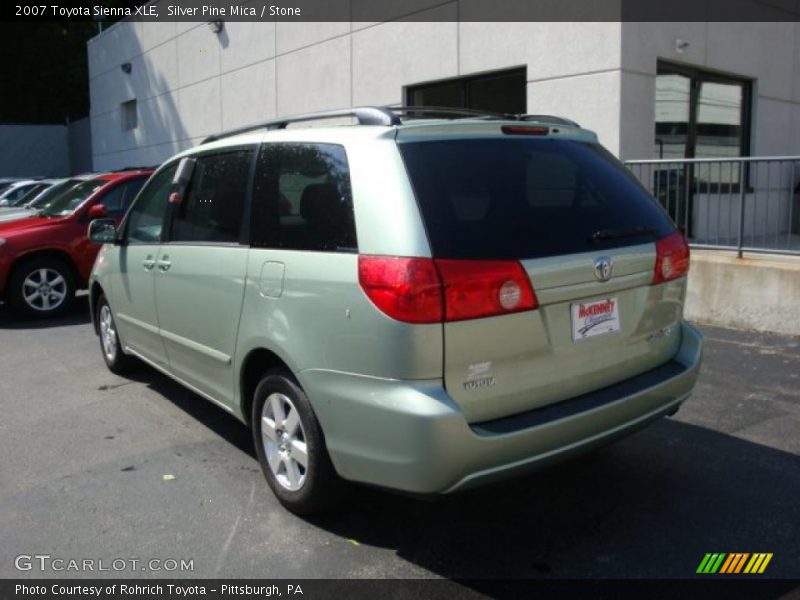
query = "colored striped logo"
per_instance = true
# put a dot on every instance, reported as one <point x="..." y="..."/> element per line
<point x="735" y="562"/>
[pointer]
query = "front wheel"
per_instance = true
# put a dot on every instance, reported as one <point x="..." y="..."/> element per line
<point x="42" y="287"/>
<point x="291" y="447"/>
<point x="116" y="360"/>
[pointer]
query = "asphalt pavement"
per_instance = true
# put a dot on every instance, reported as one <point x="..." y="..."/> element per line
<point x="84" y="455"/>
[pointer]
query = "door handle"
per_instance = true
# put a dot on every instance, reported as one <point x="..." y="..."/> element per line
<point x="164" y="265"/>
<point x="148" y="264"/>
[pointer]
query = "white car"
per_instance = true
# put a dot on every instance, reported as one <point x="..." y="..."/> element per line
<point x="37" y="198"/>
<point x="16" y="192"/>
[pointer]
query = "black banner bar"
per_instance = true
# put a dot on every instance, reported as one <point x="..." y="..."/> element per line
<point x="728" y="588"/>
<point x="410" y="10"/>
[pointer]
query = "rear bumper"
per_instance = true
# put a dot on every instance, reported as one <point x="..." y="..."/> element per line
<point x="411" y="436"/>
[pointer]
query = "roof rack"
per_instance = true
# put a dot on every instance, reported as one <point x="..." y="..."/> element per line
<point x="485" y="114"/>
<point x="415" y="111"/>
<point x="389" y="116"/>
<point x="548" y="119"/>
<point x="366" y="115"/>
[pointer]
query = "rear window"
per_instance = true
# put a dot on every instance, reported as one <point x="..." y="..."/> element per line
<point x="527" y="198"/>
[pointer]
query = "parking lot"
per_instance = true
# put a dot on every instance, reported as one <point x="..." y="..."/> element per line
<point x="83" y="455"/>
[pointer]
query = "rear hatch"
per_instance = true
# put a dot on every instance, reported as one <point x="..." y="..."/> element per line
<point x="584" y="232"/>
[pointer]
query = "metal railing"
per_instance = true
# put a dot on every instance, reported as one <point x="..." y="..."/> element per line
<point x="748" y="204"/>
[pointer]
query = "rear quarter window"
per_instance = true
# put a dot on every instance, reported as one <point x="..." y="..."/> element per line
<point x="526" y="198"/>
<point x="302" y="199"/>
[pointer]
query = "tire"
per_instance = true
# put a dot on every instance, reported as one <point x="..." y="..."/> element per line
<point x="116" y="360"/>
<point x="42" y="287"/>
<point x="303" y="489"/>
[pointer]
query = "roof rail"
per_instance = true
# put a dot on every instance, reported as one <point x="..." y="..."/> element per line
<point x="548" y="119"/>
<point x="389" y="116"/>
<point x="366" y="115"/>
<point x="470" y="112"/>
<point x="448" y="110"/>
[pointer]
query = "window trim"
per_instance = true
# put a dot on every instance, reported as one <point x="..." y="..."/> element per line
<point x="699" y="75"/>
<point x="244" y="225"/>
<point x="464" y="81"/>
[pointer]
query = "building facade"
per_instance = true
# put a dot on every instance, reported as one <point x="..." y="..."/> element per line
<point x="648" y="89"/>
<point x="159" y="87"/>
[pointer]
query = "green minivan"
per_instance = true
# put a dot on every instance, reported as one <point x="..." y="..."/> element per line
<point x="422" y="304"/>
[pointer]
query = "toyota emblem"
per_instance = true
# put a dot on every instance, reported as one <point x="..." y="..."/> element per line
<point x="602" y="268"/>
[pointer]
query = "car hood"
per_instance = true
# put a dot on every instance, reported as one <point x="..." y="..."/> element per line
<point x="14" y="214"/>
<point x="27" y="224"/>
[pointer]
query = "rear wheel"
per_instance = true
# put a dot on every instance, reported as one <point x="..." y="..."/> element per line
<point x="116" y="360"/>
<point x="291" y="447"/>
<point x="42" y="287"/>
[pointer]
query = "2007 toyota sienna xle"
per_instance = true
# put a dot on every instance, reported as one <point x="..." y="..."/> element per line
<point x="419" y="304"/>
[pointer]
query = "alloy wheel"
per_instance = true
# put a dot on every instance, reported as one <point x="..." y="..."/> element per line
<point x="44" y="289"/>
<point x="284" y="441"/>
<point x="108" y="334"/>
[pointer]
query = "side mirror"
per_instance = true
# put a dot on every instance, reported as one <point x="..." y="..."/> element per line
<point x="98" y="211"/>
<point x="102" y="231"/>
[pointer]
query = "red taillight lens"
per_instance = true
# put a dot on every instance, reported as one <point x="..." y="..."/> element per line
<point x="672" y="258"/>
<point x="406" y="289"/>
<point x="422" y="290"/>
<point x="482" y="288"/>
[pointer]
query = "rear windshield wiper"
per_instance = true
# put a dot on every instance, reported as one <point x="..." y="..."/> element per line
<point x="616" y="234"/>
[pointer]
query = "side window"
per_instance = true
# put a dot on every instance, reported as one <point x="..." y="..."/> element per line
<point x="302" y="199"/>
<point x="213" y="205"/>
<point x="113" y="199"/>
<point x="132" y="188"/>
<point x="146" y="218"/>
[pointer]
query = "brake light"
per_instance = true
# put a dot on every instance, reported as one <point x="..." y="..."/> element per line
<point x="423" y="290"/>
<point x="524" y="130"/>
<point x="483" y="288"/>
<point x="672" y="258"/>
<point x="406" y="289"/>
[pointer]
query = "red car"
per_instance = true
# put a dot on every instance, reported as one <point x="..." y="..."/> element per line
<point x="44" y="259"/>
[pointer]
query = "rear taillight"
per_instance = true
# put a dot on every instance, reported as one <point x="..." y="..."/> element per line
<point x="424" y="290"/>
<point x="672" y="258"/>
<point x="482" y="288"/>
<point x="406" y="289"/>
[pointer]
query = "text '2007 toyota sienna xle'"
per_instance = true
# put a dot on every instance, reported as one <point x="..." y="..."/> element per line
<point x="419" y="304"/>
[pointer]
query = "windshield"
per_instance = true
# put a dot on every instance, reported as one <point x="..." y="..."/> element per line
<point x="31" y="194"/>
<point x="66" y="204"/>
<point x="14" y="195"/>
<point x="45" y="198"/>
<point x="527" y="198"/>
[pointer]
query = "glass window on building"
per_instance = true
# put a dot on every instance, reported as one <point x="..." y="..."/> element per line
<point x="501" y="91"/>
<point x="700" y="114"/>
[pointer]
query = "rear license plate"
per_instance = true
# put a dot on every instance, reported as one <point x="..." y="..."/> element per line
<point x="594" y="318"/>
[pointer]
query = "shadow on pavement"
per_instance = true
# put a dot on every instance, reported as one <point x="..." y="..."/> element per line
<point x="77" y="314"/>
<point x="216" y="419"/>
<point x="649" y="506"/>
